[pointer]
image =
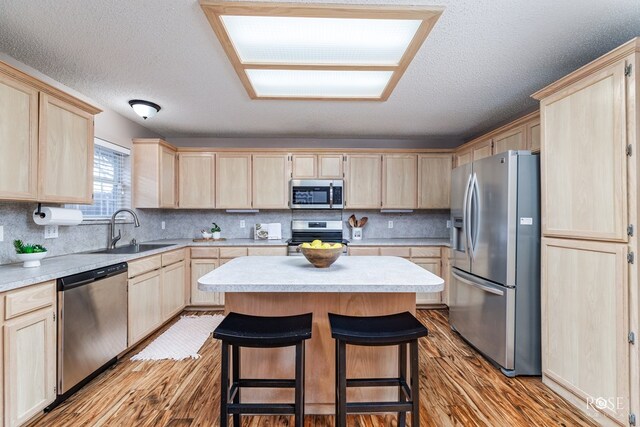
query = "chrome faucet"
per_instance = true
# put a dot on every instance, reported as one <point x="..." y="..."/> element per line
<point x="114" y="239"/>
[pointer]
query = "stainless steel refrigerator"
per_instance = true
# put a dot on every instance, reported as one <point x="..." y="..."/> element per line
<point x="495" y="242"/>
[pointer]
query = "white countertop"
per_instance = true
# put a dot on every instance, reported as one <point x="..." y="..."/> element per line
<point x="296" y="274"/>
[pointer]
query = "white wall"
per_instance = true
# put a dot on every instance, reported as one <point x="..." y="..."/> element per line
<point x="109" y="125"/>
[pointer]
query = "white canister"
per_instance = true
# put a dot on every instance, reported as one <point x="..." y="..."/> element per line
<point x="356" y="233"/>
<point x="216" y="235"/>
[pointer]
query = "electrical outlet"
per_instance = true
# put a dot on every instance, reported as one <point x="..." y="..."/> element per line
<point x="242" y="223"/>
<point x="390" y="224"/>
<point x="50" y="231"/>
<point x="1" y="233"/>
<point x="163" y="225"/>
<point x="448" y="223"/>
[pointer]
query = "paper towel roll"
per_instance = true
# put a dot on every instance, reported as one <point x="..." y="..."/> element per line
<point x="58" y="216"/>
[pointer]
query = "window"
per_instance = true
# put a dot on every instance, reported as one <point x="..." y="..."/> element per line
<point x="111" y="181"/>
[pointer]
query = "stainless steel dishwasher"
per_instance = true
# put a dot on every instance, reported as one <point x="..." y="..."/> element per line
<point x="92" y="325"/>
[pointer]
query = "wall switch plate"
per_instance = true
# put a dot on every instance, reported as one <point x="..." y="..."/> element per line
<point x="390" y="224"/>
<point x="50" y="231"/>
<point x="242" y="223"/>
<point x="1" y="233"/>
<point x="448" y="223"/>
<point x="163" y="225"/>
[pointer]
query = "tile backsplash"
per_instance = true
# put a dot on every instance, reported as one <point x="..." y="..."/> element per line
<point x="18" y="224"/>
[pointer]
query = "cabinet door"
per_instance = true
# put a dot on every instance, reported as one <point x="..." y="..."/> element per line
<point x="463" y="157"/>
<point x="145" y="305"/>
<point x="304" y="166"/>
<point x="584" y="166"/>
<point x="18" y="140"/>
<point x="446" y="274"/>
<point x="270" y="181"/>
<point x="513" y="139"/>
<point x="432" y="265"/>
<point x="196" y="180"/>
<point x="585" y="319"/>
<point x="434" y="181"/>
<point x="482" y="149"/>
<point x="65" y="166"/>
<point x="29" y="365"/>
<point x="330" y="166"/>
<point x="167" y="178"/>
<point x="200" y="267"/>
<point x="172" y="290"/>
<point x="400" y="181"/>
<point x="233" y="181"/>
<point x="364" y="181"/>
<point x="533" y="136"/>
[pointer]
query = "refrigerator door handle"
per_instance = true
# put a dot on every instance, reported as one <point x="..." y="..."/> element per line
<point x="474" y="200"/>
<point x="467" y="212"/>
<point x="478" y="285"/>
<point x="465" y="217"/>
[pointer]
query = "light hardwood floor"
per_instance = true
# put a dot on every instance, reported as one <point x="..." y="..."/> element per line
<point x="458" y="388"/>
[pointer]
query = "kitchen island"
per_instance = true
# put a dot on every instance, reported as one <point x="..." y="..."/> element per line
<point x="358" y="286"/>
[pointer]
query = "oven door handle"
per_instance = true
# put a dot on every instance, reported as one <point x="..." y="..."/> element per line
<point x="331" y="195"/>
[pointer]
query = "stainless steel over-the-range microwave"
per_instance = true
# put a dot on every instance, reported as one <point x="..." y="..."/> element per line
<point x="317" y="194"/>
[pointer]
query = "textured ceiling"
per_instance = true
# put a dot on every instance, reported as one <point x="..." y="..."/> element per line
<point x="477" y="68"/>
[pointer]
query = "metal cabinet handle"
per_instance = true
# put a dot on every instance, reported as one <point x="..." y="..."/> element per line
<point x="478" y="285"/>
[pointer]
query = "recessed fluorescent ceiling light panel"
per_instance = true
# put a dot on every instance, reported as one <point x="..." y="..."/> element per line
<point x="322" y="52"/>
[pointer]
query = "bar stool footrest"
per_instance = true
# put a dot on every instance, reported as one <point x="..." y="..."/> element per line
<point x="261" y="409"/>
<point x="265" y="383"/>
<point x="372" y="407"/>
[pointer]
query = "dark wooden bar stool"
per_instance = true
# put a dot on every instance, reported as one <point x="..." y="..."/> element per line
<point x="401" y="329"/>
<point x="241" y="330"/>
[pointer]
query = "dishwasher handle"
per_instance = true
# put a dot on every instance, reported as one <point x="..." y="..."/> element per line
<point x="84" y="278"/>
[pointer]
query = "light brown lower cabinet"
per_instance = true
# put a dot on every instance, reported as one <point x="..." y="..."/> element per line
<point x="145" y="305"/>
<point x="585" y="325"/>
<point x="29" y="361"/>
<point x="173" y="277"/>
<point x="432" y="265"/>
<point x="200" y="267"/>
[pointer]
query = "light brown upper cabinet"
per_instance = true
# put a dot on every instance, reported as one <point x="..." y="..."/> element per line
<point x="46" y="141"/>
<point x="513" y="139"/>
<point x="196" y="180"/>
<point x="18" y="140"/>
<point x="482" y="149"/>
<point x="270" y="181"/>
<point x="399" y="181"/>
<point x="434" y="181"/>
<point x="330" y="166"/>
<point x="533" y="135"/>
<point x="233" y="181"/>
<point x="363" y="181"/>
<point x="463" y="157"/>
<point x="304" y="166"/>
<point x="584" y="167"/>
<point x="317" y="166"/>
<point x="65" y="152"/>
<point x="154" y="174"/>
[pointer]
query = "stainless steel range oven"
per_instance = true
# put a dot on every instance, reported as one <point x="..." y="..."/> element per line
<point x="308" y="231"/>
<point x="317" y="194"/>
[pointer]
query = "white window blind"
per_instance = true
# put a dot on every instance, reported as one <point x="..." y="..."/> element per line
<point x="111" y="181"/>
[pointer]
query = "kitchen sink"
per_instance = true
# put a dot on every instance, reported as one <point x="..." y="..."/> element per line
<point x="132" y="249"/>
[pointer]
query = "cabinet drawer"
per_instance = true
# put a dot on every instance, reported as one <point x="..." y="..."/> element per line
<point x="364" y="251"/>
<point x="172" y="257"/>
<point x="233" y="252"/>
<point x="279" y="251"/>
<point x="205" y="252"/>
<point x="425" y="252"/>
<point x="395" y="251"/>
<point x="29" y="299"/>
<point x="144" y="265"/>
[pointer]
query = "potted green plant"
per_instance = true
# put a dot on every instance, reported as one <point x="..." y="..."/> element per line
<point x="29" y="254"/>
<point x="215" y="230"/>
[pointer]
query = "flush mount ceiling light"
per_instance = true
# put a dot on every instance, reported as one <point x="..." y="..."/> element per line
<point x="144" y="109"/>
<point x="320" y="51"/>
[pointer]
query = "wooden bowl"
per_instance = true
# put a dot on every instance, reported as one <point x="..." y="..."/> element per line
<point x="321" y="258"/>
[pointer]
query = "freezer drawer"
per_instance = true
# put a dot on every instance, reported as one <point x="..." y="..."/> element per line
<point x="483" y="313"/>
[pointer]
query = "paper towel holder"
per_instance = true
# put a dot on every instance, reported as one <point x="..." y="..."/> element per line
<point x="39" y="211"/>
